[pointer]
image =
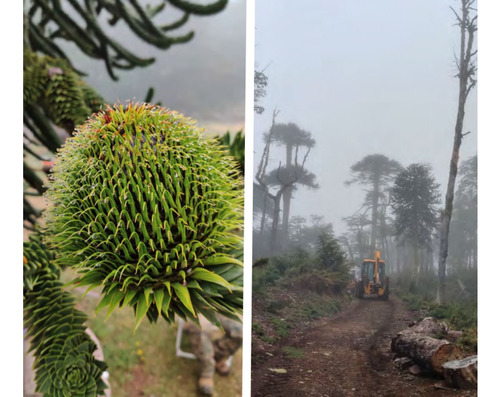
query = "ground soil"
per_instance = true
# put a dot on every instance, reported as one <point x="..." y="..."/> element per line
<point x="347" y="354"/>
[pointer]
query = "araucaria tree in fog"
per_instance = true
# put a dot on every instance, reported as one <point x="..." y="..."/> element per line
<point x="293" y="173"/>
<point x="285" y="178"/>
<point x="376" y="172"/>
<point x="466" y="65"/>
<point x="414" y="201"/>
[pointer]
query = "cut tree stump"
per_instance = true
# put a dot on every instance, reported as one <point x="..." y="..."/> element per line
<point x="461" y="374"/>
<point x="430" y="353"/>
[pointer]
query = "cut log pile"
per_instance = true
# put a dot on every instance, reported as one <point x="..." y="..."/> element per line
<point x="431" y="346"/>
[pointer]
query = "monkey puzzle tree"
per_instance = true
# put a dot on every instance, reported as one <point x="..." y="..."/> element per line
<point x="139" y="221"/>
<point x="293" y="173"/>
<point x="284" y="178"/>
<point x="376" y="172"/>
<point x="414" y="201"/>
<point x="55" y="96"/>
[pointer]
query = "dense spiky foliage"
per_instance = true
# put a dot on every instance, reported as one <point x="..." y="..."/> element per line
<point x="64" y="362"/>
<point x="415" y="197"/>
<point x="53" y="91"/>
<point x="63" y="96"/>
<point x="236" y="146"/>
<point x="52" y="94"/>
<point x="150" y="210"/>
<point x="47" y="22"/>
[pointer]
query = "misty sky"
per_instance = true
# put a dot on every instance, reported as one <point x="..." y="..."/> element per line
<point x="363" y="77"/>
<point x="204" y="78"/>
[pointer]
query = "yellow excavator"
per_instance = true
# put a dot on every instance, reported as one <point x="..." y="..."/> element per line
<point x="373" y="280"/>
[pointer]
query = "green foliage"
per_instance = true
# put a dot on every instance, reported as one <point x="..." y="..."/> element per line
<point x="281" y="326"/>
<point x="52" y="94"/>
<point x="329" y="253"/>
<point x="65" y="99"/>
<point x="46" y="22"/>
<point x="415" y="196"/>
<point x="293" y="173"/>
<point x="460" y="315"/>
<point x="64" y="361"/>
<point x="151" y="211"/>
<point x="316" y="307"/>
<point x="374" y="170"/>
<point x="376" y="173"/>
<point x="293" y="352"/>
<point x="324" y="269"/>
<point x="462" y="252"/>
<point x="236" y="147"/>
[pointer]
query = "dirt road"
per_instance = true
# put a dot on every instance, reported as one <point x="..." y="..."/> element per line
<point x="347" y="355"/>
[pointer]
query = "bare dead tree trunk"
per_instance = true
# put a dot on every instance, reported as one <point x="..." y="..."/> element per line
<point x="261" y="171"/>
<point x="466" y="71"/>
<point x="285" y="185"/>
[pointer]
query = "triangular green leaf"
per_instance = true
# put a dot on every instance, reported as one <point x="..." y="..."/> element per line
<point x="141" y="310"/>
<point x="203" y="274"/>
<point x="104" y="302"/>
<point x="129" y="296"/>
<point x="183" y="293"/>
<point x="221" y="260"/>
<point x="159" y="294"/>
<point x="116" y="297"/>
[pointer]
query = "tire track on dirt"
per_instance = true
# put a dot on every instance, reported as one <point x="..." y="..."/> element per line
<point x="334" y="352"/>
<point x="347" y="355"/>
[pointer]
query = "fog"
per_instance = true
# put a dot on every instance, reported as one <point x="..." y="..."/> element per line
<point x="363" y="77"/>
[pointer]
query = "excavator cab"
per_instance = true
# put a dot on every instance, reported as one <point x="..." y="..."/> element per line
<point x="373" y="280"/>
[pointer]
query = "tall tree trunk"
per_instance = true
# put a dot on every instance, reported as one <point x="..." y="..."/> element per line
<point x="263" y="219"/>
<point x="416" y="264"/>
<point x="287" y="193"/>
<point x="275" y="243"/>
<point x="373" y="235"/>
<point x="466" y="69"/>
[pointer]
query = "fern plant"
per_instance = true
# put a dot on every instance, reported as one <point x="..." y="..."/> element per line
<point x="150" y="210"/>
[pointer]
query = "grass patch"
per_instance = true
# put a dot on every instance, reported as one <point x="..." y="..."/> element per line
<point x="145" y="361"/>
<point x="459" y="315"/>
<point x="281" y="327"/>
<point x="293" y="352"/>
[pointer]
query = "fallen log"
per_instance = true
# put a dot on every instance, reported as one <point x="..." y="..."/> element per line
<point x="461" y="374"/>
<point x="453" y="335"/>
<point x="430" y="353"/>
<point x="430" y="326"/>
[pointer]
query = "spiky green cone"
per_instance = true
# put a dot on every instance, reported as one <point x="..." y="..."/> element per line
<point x="150" y="210"/>
<point x="51" y="83"/>
<point x="64" y="362"/>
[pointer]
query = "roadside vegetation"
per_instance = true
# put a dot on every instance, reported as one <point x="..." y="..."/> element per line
<point x="459" y="313"/>
<point x="296" y="287"/>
